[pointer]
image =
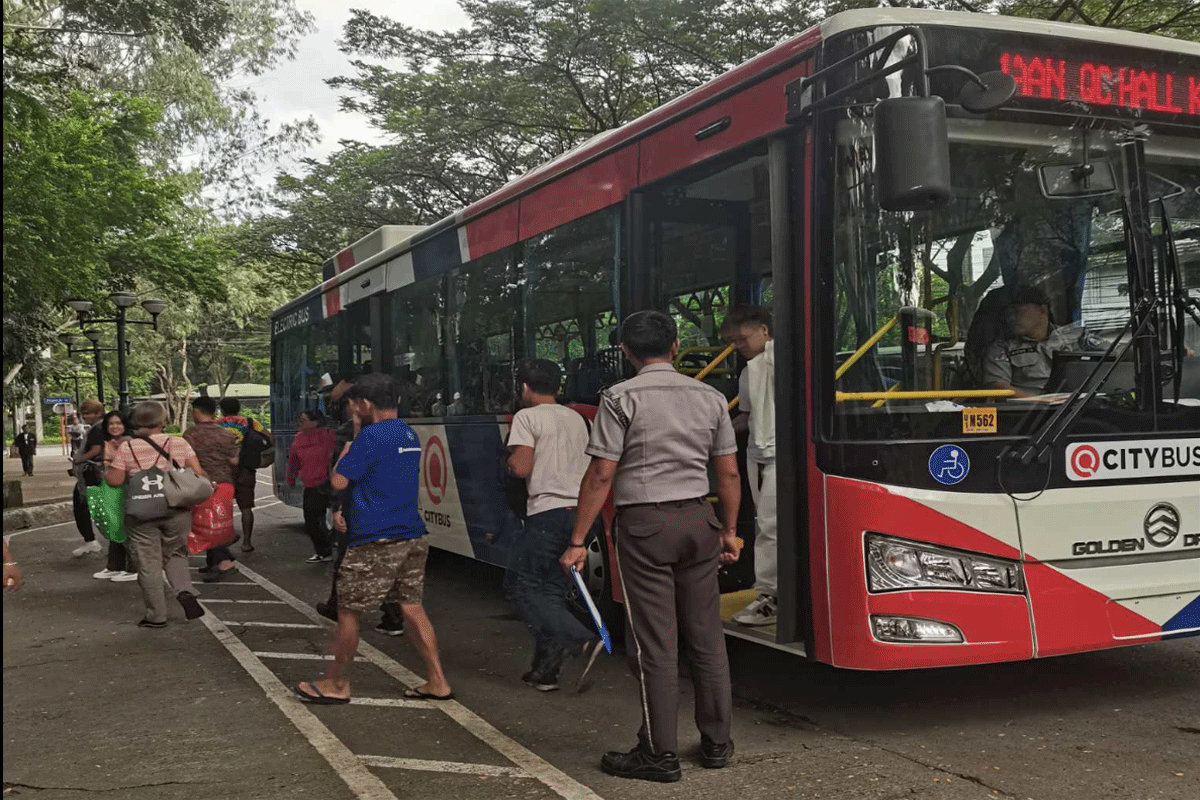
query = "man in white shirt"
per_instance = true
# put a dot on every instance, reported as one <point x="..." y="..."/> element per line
<point x="749" y="330"/>
<point x="546" y="443"/>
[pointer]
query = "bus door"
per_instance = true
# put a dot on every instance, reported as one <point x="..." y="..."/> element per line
<point x="707" y="248"/>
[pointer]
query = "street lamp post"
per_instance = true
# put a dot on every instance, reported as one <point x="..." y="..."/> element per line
<point x="122" y="300"/>
<point x="94" y="336"/>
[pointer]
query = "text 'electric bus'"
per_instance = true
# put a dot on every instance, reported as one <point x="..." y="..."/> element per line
<point x="895" y="185"/>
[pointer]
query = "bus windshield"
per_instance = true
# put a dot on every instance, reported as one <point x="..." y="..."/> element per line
<point x="1000" y="298"/>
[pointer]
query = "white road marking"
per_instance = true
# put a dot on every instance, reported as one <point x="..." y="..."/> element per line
<point x="349" y="768"/>
<point x="299" y="656"/>
<point x="8" y="536"/>
<point x="442" y="766"/>
<point x="534" y="765"/>
<point x="391" y="702"/>
<point x="256" y="602"/>
<point x="231" y="624"/>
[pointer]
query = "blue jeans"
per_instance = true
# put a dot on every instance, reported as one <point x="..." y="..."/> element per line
<point x="540" y="587"/>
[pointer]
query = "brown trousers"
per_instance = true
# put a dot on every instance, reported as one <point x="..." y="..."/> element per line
<point x="667" y="556"/>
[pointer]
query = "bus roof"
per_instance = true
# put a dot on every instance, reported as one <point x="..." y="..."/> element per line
<point x="451" y="229"/>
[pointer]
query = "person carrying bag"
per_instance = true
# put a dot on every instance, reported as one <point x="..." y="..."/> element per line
<point x="158" y="496"/>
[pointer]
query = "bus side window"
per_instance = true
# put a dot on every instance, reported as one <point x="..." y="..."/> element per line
<point x="479" y="336"/>
<point x="569" y="276"/>
<point x="419" y="365"/>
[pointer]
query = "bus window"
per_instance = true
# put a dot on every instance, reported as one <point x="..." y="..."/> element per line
<point x="418" y="360"/>
<point x="569" y="275"/>
<point x="987" y="300"/>
<point x="710" y="249"/>
<point x="479" y="334"/>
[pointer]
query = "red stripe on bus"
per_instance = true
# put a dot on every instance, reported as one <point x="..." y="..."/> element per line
<point x="345" y="259"/>
<point x="493" y="231"/>
<point x="753" y="113"/>
<point x="578" y="194"/>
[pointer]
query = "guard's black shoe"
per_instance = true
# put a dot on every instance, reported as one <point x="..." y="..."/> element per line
<point x="713" y="755"/>
<point x="642" y="766"/>
<point x="540" y="682"/>
<point x="390" y="627"/>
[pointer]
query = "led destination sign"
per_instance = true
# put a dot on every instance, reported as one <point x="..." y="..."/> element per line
<point x="1103" y="83"/>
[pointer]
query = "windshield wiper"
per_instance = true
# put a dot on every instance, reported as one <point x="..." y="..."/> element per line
<point x="1183" y="303"/>
<point x="1039" y="444"/>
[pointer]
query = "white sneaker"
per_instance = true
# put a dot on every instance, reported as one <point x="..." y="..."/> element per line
<point x="124" y="577"/>
<point x="760" y="612"/>
<point x="85" y="548"/>
<point x="106" y="574"/>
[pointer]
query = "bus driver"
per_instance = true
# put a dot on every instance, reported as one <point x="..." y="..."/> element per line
<point x="1021" y="359"/>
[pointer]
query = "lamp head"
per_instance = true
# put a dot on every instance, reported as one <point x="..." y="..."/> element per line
<point x="154" y="306"/>
<point x="123" y="299"/>
<point x="93" y="334"/>
<point x="80" y="306"/>
<point x="67" y="338"/>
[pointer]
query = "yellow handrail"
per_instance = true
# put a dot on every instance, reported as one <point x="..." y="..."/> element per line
<point x="842" y="397"/>
<point x="702" y="374"/>
<point x="733" y="403"/>
<point x="867" y="345"/>
<point x="895" y="387"/>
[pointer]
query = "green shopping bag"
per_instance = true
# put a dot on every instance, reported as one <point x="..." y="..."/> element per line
<point x="107" y="505"/>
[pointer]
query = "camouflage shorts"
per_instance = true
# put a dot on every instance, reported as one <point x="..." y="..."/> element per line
<point x="394" y="570"/>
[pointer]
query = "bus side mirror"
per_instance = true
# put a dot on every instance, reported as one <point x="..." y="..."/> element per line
<point x="912" y="153"/>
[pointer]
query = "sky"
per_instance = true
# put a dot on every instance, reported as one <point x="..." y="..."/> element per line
<point x="297" y="89"/>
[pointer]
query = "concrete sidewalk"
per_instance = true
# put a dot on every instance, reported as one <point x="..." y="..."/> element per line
<point x="92" y="703"/>
<point x="46" y="496"/>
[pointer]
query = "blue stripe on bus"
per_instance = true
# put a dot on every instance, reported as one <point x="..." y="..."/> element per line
<point x="439" y="254"/>
<point x="1187" y="617"/>
<point x="478" y="455"/>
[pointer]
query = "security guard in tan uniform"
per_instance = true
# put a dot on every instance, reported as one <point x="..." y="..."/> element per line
<point x="652" y="442"/>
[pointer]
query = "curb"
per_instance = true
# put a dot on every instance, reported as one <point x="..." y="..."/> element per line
<point x="16" y="519"/>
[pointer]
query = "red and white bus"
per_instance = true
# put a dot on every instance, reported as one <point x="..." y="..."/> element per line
<point x="880" y="182"/>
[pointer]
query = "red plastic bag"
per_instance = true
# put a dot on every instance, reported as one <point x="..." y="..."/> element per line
<point x="212" y="521"/>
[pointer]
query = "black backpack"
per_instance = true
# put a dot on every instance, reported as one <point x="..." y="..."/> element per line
<point x="258" y="450"/>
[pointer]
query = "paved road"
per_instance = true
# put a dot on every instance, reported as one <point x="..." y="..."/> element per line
<point x="94" y="704"/>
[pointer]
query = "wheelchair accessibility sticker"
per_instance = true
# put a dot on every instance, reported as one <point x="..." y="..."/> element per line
<point x="949" y="464"/>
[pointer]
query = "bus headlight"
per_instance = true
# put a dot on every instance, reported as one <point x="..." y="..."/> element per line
<point x="894" y="564"/>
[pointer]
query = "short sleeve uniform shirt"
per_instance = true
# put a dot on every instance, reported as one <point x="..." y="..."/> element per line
<point x="662" y="429"/>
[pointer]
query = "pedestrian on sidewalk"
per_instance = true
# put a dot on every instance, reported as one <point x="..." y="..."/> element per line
<point x="546" y="444"/>
<point x="26" y="444"/>
<point x="161" y="544"/>
<point x="86" y="469"/>
<point x="391" y="621"/>
<point x="749" y="330"/>
<point x="387" y="549"/>
<point x="244" y="480"/>
<point x="112" y="432"/>
<point x="308" y="460"/>
<point x="653" y="440"/>
<point x="217" y="451"/>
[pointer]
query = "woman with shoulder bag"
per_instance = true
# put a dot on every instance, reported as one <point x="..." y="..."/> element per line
<point x="148" y="465"/>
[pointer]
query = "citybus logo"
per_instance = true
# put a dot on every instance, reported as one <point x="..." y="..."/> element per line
<point x="1133" y="460"/>
<point x="1085" y="461"/>
<point x="435" y="470"/>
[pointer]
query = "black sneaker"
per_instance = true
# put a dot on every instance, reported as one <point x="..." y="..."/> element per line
<point x="390" y="627"/>
<point x="327" y="610"/>
<point x="642" y="766"/>
<point x="539" y="682"/>
<point x="217" y="575"/>
<point x="713" y="755"/>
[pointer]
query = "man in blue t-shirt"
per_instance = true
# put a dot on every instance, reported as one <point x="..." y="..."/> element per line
<point x="386" y="545"/>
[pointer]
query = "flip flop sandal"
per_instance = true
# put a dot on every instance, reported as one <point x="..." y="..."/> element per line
<point x="318" y="699"/>
<point x="417" y="694"/>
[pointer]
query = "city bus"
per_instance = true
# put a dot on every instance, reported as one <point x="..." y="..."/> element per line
<point x="881" y="183"/>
